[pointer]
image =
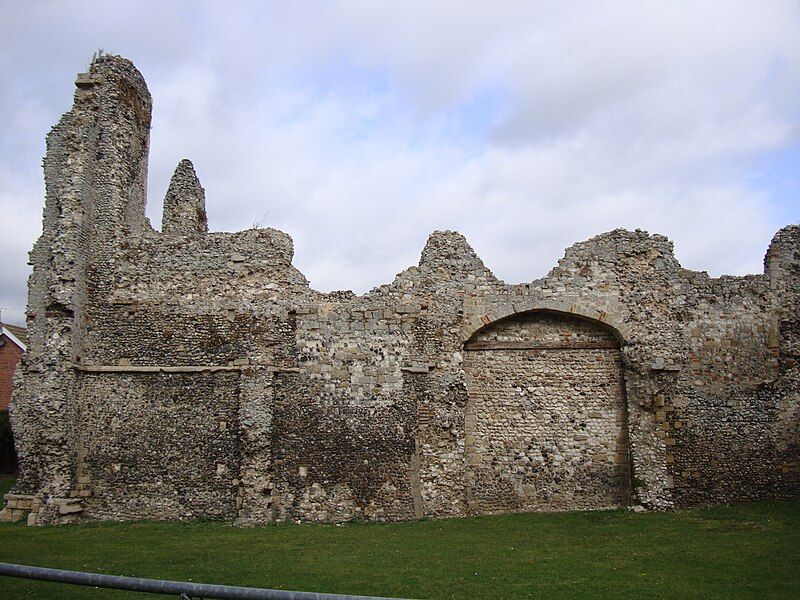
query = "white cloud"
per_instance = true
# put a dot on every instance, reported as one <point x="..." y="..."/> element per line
<point x="359" y="127"/>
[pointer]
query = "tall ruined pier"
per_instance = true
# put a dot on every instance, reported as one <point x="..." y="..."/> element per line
<point x="183" y="374"/>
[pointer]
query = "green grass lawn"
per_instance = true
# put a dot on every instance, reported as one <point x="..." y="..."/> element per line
<point x="722" y="552"/>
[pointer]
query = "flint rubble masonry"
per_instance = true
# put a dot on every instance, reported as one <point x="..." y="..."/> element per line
<point x="184" y="374"/>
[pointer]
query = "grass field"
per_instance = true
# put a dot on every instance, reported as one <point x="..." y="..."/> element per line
<point x="723" y="552"/>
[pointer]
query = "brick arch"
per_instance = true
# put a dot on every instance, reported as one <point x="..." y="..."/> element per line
<point x="608" y="319"/>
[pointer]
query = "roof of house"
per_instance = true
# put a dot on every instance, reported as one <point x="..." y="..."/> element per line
<point x="17" y="334"/>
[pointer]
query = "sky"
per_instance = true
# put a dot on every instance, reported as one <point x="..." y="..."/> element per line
<point x="361" y="127"/>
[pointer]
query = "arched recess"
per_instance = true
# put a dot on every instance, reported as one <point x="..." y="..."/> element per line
<point x="611" y="317"/>
<point x="546" y="419"/>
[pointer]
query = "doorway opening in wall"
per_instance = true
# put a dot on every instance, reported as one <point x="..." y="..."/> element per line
<point x="546" y="419"/>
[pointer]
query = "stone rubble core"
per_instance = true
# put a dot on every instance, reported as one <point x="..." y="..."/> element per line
<point x="187" y="374"/>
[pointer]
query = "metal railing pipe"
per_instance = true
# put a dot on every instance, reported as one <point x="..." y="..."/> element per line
<point x="163" y="586"/>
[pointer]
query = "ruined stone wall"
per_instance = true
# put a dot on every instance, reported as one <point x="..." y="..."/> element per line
<point x="183" y="374"/>
<point x="159" y="444"/>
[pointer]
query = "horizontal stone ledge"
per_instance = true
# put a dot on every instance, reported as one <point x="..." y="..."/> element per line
<point x="501" y="345"/>
<point x="19" y="496"/>
<point x="180" y="368"/>
<point x="157" y="368"/>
